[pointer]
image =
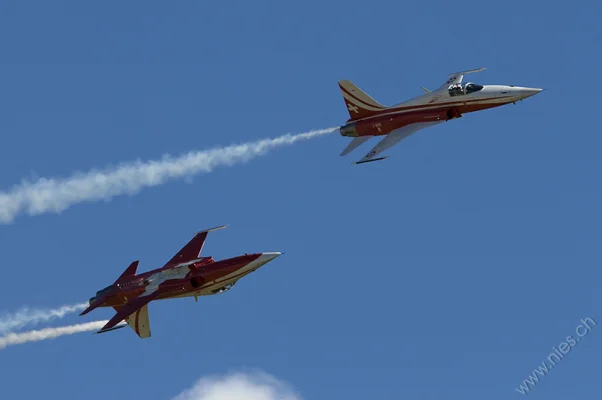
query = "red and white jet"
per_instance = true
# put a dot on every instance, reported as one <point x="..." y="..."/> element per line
<point x="449" y="101"/>
<point x="185" y="275"/>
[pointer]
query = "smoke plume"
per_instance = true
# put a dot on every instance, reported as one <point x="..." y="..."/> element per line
<point x="12" y="339"/>
<point x="10" y="322"/>
<point x="56" y="195"/>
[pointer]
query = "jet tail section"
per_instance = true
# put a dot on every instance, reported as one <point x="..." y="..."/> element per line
<point x="129" y="272"/>
<point x="92" y="306"/>
<point x="138" y="321"/>
<point x="358" y="103"/>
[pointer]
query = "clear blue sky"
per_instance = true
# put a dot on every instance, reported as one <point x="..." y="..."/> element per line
<point x="450" y="270"/>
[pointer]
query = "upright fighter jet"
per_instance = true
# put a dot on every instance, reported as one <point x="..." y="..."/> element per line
<point x="368" y="118"/>
<point x="187" y="274"/>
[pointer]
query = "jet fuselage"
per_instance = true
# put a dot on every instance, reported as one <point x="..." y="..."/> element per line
<point x="441" y="105"/>
<point x="199" y="277"/>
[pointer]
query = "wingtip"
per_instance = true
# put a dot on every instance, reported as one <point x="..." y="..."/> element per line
<point x="216" y="228"/>
<point x="103" y="330"/>
<point x="371" y="160"/>
<point x="469" y="71"/>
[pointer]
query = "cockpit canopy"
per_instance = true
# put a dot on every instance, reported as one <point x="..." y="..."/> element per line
<point x="460" y="90"/>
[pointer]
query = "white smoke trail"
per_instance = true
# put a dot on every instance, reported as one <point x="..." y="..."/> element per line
<point x="28" y="316"/>
<point x="56" y="195"/>
<point x="240" y="386"/>
<point x="12" y="339"/>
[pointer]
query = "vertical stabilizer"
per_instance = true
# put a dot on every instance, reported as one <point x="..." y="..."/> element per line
<point x="139" y="322"/>
<point x="358" y="103"/>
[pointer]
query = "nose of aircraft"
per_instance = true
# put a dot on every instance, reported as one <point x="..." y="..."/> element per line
<point x="528" y="92"/>
<point x="269" y="256"/>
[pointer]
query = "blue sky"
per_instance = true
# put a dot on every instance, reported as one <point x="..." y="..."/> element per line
<point x="450" y="270"/>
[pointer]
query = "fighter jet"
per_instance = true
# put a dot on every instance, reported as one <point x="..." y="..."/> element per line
<point x="187" y="274"/>
<point x="368" y="118"/>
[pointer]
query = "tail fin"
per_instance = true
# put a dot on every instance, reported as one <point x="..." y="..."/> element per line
<point x="138" y="321"/>
<point x="129" y="272"/>
<point x="358" y="103"/>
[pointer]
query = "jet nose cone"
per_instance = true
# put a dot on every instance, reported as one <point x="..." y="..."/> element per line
<point x="269" y="256"/>
<point x="528" y="92"/>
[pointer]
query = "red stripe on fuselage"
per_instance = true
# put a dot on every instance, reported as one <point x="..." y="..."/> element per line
<point x="138" y="322"/>
<point x="425" y="106"/>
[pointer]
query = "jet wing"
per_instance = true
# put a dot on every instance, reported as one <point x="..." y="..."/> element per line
<point x="192" y="249"/>
<point x="130" y="308"/>
<point x="457" y="77"/>
<point x="139" y="321"/>
<point x="393" y="138"/>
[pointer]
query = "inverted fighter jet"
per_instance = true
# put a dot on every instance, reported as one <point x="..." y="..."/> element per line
<point x="368" y="118"/>
<point x="185" y="275"/>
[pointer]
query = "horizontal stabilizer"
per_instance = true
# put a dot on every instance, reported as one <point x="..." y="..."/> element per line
<point x="354" y="144"/>
<point x="373" y="159"/>
<point x="92" y="306"/>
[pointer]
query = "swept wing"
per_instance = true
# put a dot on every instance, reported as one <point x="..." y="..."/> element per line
<point x="457" y="77"/>
<point x="192" y="249"/>
<point x="393" y="138"/>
